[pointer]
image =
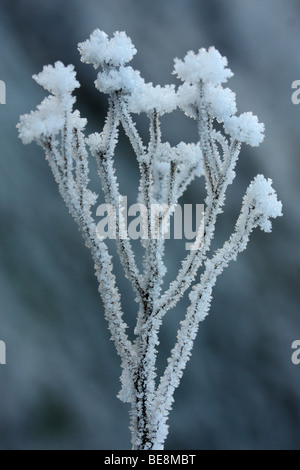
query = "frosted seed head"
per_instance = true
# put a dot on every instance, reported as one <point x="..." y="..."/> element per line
<point x="46" y="121"/>
<point x="95" y="143"/>
<point x="94" y="50"/>
<point x="99" y="50"/>
<point x="245" y="128"/>
<point x="221" y="101"/>
<point x="125" y="78"/>
<point x="188" y="99"/>
<point x="58" y="79"/>
<point x="263" y="198"/>
<point x="77" y="122"/>
<point x="122" y="49"/>
<point x="90" y="198"/>
<point x="147" y="98"/>
<point x="206" y="66"/>
<point x="190" y="154"/>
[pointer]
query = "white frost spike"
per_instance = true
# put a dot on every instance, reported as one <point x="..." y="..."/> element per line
<point x="206" y="66"/>
<point x="165" y="173"/>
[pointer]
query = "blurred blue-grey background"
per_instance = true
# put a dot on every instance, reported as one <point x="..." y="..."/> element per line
<point x="58" y="389"/>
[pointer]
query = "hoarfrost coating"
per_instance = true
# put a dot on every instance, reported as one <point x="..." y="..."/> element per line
<point x="165" y="173"/>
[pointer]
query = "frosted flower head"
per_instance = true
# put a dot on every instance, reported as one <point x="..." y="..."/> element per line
<point x="58" y="79"/>
<point x="165" y="153"/>
<point x="76" y="121"/>
<point x="262" y="196"/>
<point x="94" y="141"/>
<point x="221" y="102"/>
<point x="189" y="153"/>
<point x="99" y="50"/>
<point x="125" y="78"/>
<point x="245" y="128"/>
<point x="188" y="99"/>
<point x="206" y="66"/>
<point x="147" y="98"/>
<point x="46" y="121"/>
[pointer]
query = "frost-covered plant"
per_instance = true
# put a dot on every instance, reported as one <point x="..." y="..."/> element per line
<point x="165" y="173"/>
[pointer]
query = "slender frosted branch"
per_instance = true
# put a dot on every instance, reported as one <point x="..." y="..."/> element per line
<point x="103" y="263"/>
<point x="112" y="194"/>
<point x="200" y="303"/>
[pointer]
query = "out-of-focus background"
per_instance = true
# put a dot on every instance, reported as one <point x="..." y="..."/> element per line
<point x="58" y="389"/>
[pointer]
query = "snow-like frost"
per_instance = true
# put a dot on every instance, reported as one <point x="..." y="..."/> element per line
<point x="221" y="102"/>
<point x="146" y="98"/>
<point x="262" y="197"/>
<point x="94" y="142"/>
<point x="124" y="79"/>
<point x="189" y="99"/>
<point x="46" y="121"/>
<point x="76" y="121"/>
<point x="58" y="79"/>
<point x="245" y="128"/>
<point x="190" y="154"/>
<point x="165" y="173"/>
<point x="99" y="50"/>
<point x="206" y="66"/>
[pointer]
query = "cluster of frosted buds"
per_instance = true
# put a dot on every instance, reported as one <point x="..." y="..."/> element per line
<point x="203" y="75"/>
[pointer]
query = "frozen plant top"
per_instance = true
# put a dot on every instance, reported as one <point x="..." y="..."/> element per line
<point x="99" y="50"/>
<point x="206" y="70"/>
<point x="245" y="128"/>
<point x="207" y="65"/>
<point x="203" y="75"/>
<point x="261" y="196"/>
<point x="58" y="80"/>
<point x="49" y="117"/>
